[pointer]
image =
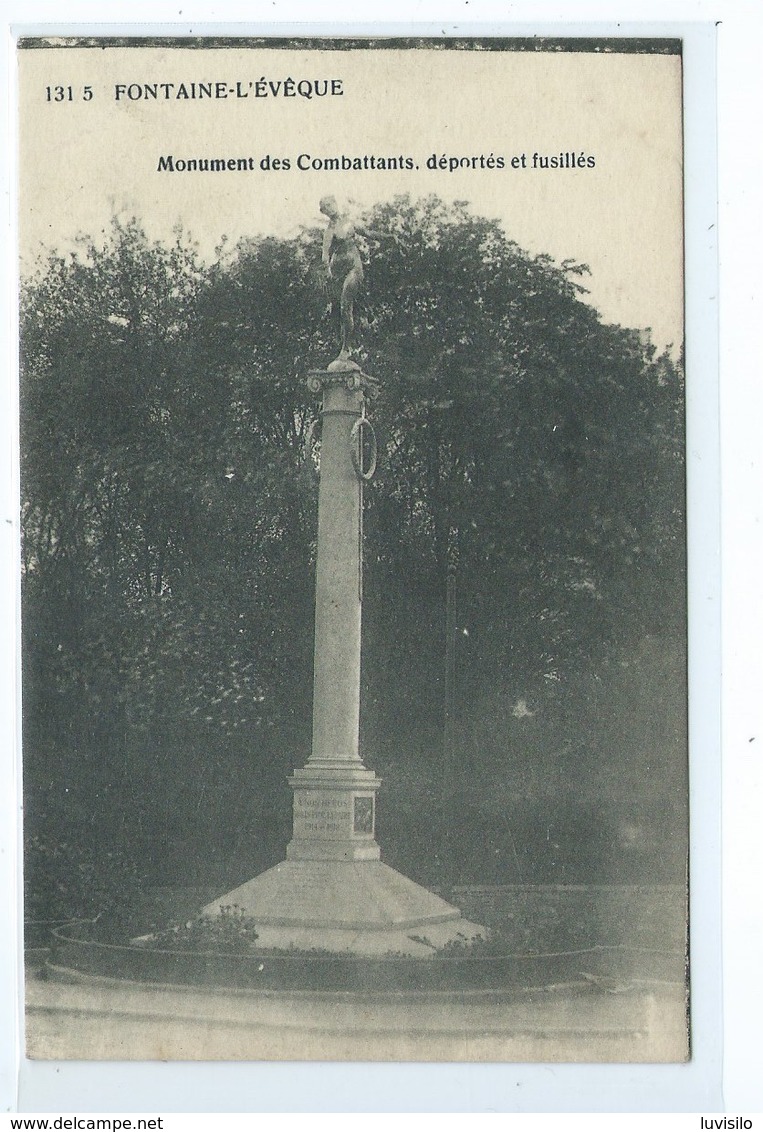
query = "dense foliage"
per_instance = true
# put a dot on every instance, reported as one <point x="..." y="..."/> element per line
<point x="168" y="548"/>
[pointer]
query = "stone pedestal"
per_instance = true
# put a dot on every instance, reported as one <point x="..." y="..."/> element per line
<point x="334" y="815"/>
<point x="332" y="891"/>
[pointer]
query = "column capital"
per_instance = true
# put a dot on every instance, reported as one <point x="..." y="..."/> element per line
<point x="342" y="374"/>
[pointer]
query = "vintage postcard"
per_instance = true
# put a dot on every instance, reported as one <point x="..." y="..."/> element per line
<point x="354" y="558"/>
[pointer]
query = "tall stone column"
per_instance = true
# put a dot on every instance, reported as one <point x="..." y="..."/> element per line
<point x="334" y="794"/>
<point x="333" y="892"/>
<point x="336" y="706"/>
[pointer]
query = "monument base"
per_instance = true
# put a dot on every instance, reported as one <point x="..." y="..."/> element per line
<point x="360" y="907"/>
<point x="333" y="893"/>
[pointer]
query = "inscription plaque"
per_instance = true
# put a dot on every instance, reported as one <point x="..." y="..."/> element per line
<point x="321" y="814"/>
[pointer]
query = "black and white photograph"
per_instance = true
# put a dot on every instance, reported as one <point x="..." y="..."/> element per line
<point x="353" y="549"/>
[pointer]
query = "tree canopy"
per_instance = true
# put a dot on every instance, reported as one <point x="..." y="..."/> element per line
<point x="169" y="520"/>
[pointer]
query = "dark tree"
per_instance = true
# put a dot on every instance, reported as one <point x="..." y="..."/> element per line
<point x="169" y="524"/>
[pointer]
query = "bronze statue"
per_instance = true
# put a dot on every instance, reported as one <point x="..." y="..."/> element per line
<point x="344" y="269"/>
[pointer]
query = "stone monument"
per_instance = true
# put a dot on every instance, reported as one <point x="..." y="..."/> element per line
<point x="333" y="892"/>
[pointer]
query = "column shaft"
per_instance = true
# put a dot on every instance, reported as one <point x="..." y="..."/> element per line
<point x="336" y="689"/>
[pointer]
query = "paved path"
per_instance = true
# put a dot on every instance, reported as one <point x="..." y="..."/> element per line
<point x="91" y="1018"/>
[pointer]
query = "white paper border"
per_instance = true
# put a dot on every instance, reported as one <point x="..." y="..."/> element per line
<point x="447" y="1088"/>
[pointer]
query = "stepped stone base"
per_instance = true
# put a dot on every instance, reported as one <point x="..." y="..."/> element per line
<point x="357" y="907"/>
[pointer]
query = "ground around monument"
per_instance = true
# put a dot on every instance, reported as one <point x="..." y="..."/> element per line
<point x="628" y="1006"/>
